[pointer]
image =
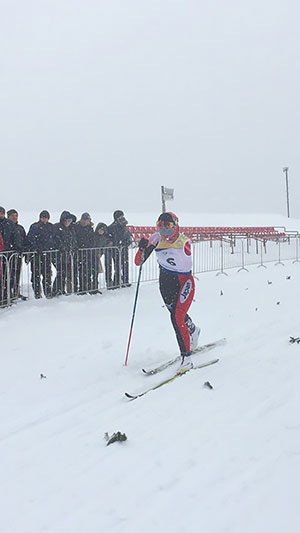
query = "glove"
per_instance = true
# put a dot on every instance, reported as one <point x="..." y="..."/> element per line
<point x="143" y="243"/>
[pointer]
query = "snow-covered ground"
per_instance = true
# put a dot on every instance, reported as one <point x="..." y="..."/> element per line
<point x="225" y="460"/>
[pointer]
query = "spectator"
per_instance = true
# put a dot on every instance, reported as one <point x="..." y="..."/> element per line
<point x="41" y="240"/>
<point x="10" y="235"/>
<point x="13" y="215"/>
<point x="102" y="243"/>
<point x="16" y="265"/>
<point x="66" y="244"/>
<point x="1" y="279"/>
<point x="121" y="239"/>
<point x="85" y="241"/>
<point x="12" y="242"/>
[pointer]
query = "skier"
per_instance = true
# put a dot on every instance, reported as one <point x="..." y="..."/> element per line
<point x="176" y="283"/>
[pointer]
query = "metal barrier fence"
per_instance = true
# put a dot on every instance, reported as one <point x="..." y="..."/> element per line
<point x="90" y="271"/>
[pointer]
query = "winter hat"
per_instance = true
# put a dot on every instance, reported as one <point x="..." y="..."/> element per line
<point x="65" y="216"/>
<point x="85" y="216"/>
<point x="118" y="214"/>
<point x="102" y="226"/>
<point x="45" y="214"/>
<point x="2" y="210"/>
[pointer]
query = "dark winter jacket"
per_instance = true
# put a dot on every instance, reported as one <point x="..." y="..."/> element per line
<point x="85" y="236"/>
<point x="10" y="235"/>
<point x="22" y="234"/>
<point x="119" y="235"/>
<point x="65" y="237"/>
<point x="102" y="241"/>
<point x="40" y="237"/>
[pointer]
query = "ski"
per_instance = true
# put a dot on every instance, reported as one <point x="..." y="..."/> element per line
<point x="170" y="380"/>
<point x="201" y="349"/>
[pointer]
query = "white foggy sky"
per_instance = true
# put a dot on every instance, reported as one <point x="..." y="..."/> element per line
<point x="102" y="102"/>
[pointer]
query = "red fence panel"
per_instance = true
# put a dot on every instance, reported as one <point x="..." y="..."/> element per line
<point x="197" y="233"/>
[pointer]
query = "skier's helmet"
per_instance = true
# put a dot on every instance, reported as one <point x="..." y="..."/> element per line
<point x="167" y="226"/>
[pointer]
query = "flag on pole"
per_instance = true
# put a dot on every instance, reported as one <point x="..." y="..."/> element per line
<point x="168" y="194"/>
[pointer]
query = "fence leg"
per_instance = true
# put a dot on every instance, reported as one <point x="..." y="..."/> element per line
<point x="243" y="260"/>
<point x="297" y="250"/>
<point x="279" y="262"/>
<point x="261" y="256"/>
<point x="222" y="261"/>
<point x="8" y="281"/>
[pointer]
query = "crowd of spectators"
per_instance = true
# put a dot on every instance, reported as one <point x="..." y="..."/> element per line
<point x="78" y="252"/>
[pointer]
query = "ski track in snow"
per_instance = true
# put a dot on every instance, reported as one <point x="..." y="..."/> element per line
<point x="225" y="460"/>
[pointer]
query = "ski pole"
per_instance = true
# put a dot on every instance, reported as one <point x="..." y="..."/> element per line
<point x="134" y="307"/>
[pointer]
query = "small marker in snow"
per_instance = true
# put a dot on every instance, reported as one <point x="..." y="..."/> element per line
<point x="115" y="437"/>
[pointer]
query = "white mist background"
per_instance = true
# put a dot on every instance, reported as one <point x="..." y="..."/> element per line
<point x="104" y="102"/>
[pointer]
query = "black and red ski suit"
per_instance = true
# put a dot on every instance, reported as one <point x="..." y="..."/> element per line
<point x="176" y="283"/>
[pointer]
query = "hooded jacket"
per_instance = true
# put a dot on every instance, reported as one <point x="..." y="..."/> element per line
<point x="65" y="236"/>
<point x="102" y="241"/>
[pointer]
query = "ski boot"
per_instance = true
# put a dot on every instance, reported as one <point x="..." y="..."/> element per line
<point x="194" y="338"/>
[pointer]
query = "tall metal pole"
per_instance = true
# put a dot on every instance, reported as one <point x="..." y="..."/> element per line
<point x="163" y="202"/>
<point x="286" y="170"/>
